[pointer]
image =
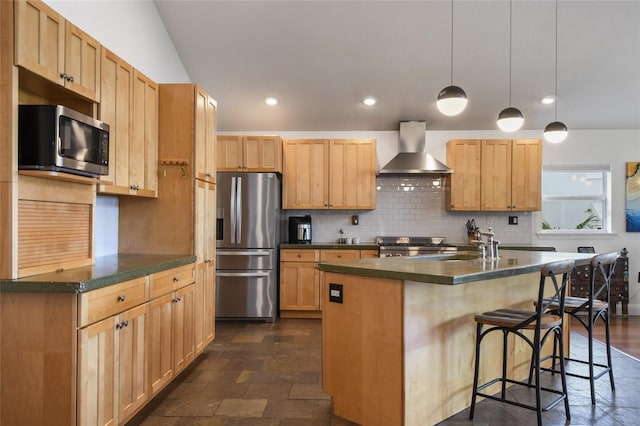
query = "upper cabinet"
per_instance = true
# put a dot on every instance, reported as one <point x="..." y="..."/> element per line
<point x="249" y="154"/>
<point x="335" y="174"/>
<point x="130" y="106"/>
<point x="495" y="175"/>
<point x="56" y="50"/>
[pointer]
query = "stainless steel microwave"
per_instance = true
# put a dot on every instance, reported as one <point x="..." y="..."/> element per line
<point x="56" y="138"/>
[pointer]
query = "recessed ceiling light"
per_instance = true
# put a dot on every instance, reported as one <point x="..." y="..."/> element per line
<point x="271" y="101"/>
<point x="548" y="100"/>
<point x="369" y="101"/>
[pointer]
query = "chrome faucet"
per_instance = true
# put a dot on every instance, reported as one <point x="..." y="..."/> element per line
<point x="489" y="242"/>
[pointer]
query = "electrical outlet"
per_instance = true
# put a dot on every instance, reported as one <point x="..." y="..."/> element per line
<point x="355" y="219"/>
<point x="513" y="220"/>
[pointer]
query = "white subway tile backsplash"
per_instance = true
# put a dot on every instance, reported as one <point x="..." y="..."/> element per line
<point x="414" y="206"/>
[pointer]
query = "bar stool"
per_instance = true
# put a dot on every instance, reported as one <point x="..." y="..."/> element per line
<point x="543" y="324"/>
<point x="587" y="310"/>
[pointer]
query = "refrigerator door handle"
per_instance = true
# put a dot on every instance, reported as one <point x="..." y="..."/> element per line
<point x="233" y="210"/>
<point x="242" y="274"/>
<point x="241" y="253"/>
<point x="239" y="210"/>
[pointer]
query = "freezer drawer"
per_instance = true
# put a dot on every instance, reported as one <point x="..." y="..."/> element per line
<point x="242" y="259"/>
<point x="246" y="294"/>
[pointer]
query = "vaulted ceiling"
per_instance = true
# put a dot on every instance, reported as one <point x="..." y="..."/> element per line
<point x="320" y="58"/>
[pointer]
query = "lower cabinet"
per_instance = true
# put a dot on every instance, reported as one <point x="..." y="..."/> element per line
<point x="300" y="280"/>
<point x="171" y="326"/>
<point x="96" y="358"/>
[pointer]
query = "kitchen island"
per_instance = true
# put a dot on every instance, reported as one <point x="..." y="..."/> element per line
<point x="399" y="333"/>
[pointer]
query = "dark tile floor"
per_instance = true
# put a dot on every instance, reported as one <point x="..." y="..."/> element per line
<point x="257" y="374"/>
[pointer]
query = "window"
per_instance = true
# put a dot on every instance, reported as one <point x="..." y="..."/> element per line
<point x="576" y="198"/>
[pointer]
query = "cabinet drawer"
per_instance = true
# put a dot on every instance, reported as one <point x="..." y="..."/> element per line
<point x="98" y="304"/>
<point x="369" y="254"/>
<point x="167" y="281"/>
<point x="299" y="255"/>
<point x="331" y="255"/>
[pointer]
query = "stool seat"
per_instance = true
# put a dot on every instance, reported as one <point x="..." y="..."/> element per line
<point x="517" y="319"/>
<point x="572" y="305"/>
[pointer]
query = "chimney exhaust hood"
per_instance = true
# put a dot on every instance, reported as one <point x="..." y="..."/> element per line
<point x="412" y="157"/>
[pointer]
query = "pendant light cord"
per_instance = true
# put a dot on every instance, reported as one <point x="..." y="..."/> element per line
<point x="451" y="76"/>
<point x="555" y="87"/>
<point x="510" y="35"/>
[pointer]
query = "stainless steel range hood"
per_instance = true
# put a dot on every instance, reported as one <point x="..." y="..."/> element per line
<point x="412" y="157"/>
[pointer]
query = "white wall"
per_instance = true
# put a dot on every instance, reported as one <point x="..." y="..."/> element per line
<point x="131" y="29"/>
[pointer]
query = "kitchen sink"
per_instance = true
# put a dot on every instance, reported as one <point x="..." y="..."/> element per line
<point x="448" y="257"/>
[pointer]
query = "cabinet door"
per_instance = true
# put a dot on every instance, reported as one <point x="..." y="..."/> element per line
<point x="200" y="133"/>
<point x="229" y="153"/>
<point x="115" y="110"/>
<point x="143" y="150"/>
<point x="495" y="181"/>
<point x="82" y="63"/>
<point x="464" y="157"/>
<point x="39" y="40"/>
<point x="160" y="342"/>
<point x="262" y="153"/>
<point x="183" y="322"/>
<point x="299" y="286"/>
<point x="305" y="174"/>
<point x="97" y="393"/>
<point x="352" y="174"/>
<point x="210" y="139"/>
<point x="210" y="258"/>
<point x="526" y="175"/>
<point x="133" y="388"/>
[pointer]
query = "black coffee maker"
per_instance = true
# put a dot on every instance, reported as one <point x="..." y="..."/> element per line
<point x="300" y="229"/>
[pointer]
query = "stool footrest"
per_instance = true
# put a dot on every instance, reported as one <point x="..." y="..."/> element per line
<point x="548" y="407"/>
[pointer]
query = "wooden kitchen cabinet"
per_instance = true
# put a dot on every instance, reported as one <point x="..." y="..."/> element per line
<point x="464" y="156"/>
<point x="299" y="281"/>
<point x="55" y="49"/>
<point x="305" y="174"/>
<point x="249" y="154"/>
<point x="112" y="351"/>
<point x="171" y="325"/>
<point x="300" y="289"/>
<point x="183" y="219"/>
<point x="130" y="107"/>
<point x="329" y="174"/>
<point x="495" y="175"/>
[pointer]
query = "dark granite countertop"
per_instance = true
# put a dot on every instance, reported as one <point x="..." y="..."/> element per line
<point x="457" y="268"/>
<point x="106" y="270"/>
<point x="330" y="245"/>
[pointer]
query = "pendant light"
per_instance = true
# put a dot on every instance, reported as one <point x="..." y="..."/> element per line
<point x="510" y="119"/>
<point x="452" y="100"/>
<point x="556" y="131"/>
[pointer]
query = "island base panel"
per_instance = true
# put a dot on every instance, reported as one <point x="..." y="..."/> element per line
<point x="362" y="349"/>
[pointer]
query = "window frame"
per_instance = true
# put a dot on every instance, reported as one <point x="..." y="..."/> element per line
<point x="605" y="169"/>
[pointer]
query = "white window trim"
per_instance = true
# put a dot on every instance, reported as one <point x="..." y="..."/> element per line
<point x="577" y="233"/>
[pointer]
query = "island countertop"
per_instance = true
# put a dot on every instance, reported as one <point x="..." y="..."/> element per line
<point x="106" y="270"/>
<point x="459" y="268"/>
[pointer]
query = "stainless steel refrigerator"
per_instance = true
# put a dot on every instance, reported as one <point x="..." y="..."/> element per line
<point x="248" y="233"/>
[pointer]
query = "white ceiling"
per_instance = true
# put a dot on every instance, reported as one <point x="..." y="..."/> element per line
<point x="320" y="58"/>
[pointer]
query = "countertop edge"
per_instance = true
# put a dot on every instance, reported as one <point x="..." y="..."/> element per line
<point x="105" y="271"/>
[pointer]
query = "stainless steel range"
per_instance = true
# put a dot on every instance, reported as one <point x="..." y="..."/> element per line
<point x="413" y="246"/>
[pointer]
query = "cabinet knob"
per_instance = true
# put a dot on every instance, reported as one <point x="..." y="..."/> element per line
<point x="63" y="75"/>
<point x="299" y="255"/>
<point x="207" y="261"/>
<point x="339" y="256"/>
<point x="70" y="79"/>
<point x="176" y="279"/>
<point x="121" y="298"/>
<point x="207" y="174"/>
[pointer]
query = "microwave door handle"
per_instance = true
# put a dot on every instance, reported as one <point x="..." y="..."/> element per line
<point x="233" y="210"/>
<point x="239" y="211"/>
